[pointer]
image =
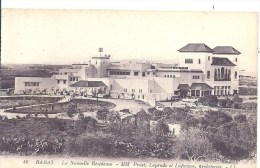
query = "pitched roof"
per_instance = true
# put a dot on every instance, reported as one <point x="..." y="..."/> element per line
<point x="83" y="83"/>
<point x="222" y="61"/>
<point x="196" y="47"/>
<point x="225" y="50"/>
<point x="183" y="87"/>
<point x="200" y="86"/>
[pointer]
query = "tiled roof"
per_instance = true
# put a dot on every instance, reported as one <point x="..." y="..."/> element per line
<point x="225" y="50"/>
<point x="122" y="66"/>
<point x="196" y="70"/>
<point x="183" y="87"/>
<point x="195" y="47"/>
<point x="200" y="86"/>
<point x="222" y="61"/>
<point x="83" y="83"/>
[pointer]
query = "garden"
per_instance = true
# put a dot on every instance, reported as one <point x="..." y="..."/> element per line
<point x="18" y="101"/>
<point x="78" y="105"/>
<point x="216" y="136"/>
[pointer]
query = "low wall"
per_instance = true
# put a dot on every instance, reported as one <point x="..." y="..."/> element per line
<point x="136" y="96"/>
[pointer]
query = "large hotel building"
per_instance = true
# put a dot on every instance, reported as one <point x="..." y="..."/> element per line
<point x="201" y="71"/>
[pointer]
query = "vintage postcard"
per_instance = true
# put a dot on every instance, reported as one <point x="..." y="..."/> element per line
<point x="114" y="88"/>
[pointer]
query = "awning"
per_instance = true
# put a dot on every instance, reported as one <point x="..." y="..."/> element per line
<point x="200" y="86"/>
<point x="183" y="87"/>
<point x="83" y="83"/>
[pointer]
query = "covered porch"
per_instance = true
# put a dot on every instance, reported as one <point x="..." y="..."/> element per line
<point x="200" y="89"/>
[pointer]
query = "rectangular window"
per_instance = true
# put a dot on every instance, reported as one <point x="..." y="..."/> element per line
<point x="58" y="81"/>
<point x="208" y="57"/>
<point x="197" y="92"/>
<point x="195" y="77"/>
<point x="208" y="74"/>
<point x="133" y="90"/>
<point x="31" y="83"/>
<point x="192" y="92"/>
<point x="135" y="73"/>
<point x="235" y="74"/>
<point x="143" y="74"/>
<point x="148" y="73"/>
<point x="199" y="61"/>
<point x="125" y="90"/>
<point x="188" y="61"/>
<point x="64" y="82"/>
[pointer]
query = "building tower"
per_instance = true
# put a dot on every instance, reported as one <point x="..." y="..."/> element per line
<point x="100" y="64"/>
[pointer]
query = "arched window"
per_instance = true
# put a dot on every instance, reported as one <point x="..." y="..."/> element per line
<point x="226" y="74"/>
<point x="222" y="72"/>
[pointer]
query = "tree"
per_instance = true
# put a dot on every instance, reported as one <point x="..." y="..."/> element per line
<point x="233" y="140"/>
<point x="85" y="123"/>
<point x="71" y="109"/>
<point x="179" y="114"/>
<point x="209" y="100"/>
<point x="193" y="145"/>
<point x="102" y="113"/>
<point x="161" y="131"/>
<point x="166" y="112"/>
<point x="215" y="119"/>
<point x="237" y="99"/>
<point x="190" y="121"/>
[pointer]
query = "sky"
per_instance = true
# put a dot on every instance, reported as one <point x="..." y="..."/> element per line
<point x="68" y="36"/>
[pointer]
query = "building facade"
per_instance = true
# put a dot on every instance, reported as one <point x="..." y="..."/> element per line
<point x="201" y="71"/>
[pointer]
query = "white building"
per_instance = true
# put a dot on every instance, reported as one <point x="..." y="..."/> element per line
<point x="201" y="71"/>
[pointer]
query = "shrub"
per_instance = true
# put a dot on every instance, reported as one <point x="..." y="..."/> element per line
<point x="72" y="107"/>
<point x="209" y="100"/>
<point x="91" y="144"/>
<point x="237" y="99"/>
<point x="240" y="118"/>
<point x="194" y="145"/>
<point x="102" y="113"/>
<point x="216" y="118"/>
<point x="237" y="105"/>
<point x="234" y="140"/>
